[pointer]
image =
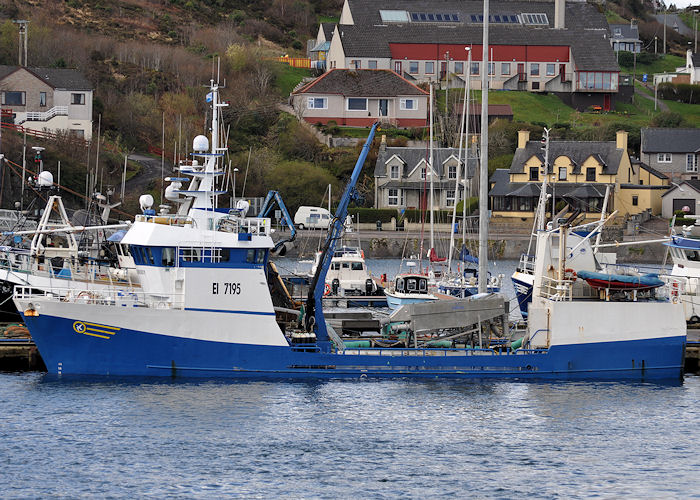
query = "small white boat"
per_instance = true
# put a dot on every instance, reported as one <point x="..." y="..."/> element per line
<point x="408" y="289"/>
<point x="348" y="273"/>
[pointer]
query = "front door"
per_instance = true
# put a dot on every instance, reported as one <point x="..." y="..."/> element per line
<point x="606" y="102"/>
<point x="443" y="70"/>
<point x="383" y="107"/>
<point x="397" y="67"/>
<point x="521" y="72"/>
<point x="562" y="72"/>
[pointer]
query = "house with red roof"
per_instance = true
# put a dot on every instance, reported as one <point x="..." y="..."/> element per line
<point x="358" y="98"/>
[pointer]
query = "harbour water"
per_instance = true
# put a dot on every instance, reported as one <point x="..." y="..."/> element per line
<point x="90" y="437"/>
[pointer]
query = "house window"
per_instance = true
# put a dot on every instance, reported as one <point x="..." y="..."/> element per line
<point x="475" y="68"/>
<point x="562" y="173"/>
<point x="452" y="172"/>
<point x="535" y="85"/>
<point x="590" y="174"/>
<point x="450" y="197"/>
<point x="394" y="197"/>
<point x="317" y="103"/>
<point x="372" y="64"/>
<point x="664" y="158"/>
<point x="423" y="173"/>
<point x="459" y="68"/>
<point x="691" y="163"/>
<point x="618" y="32"/>
<point x="429" y="67"/>
<point x="357" y="104"/>
<point x="355" y="64"/>
<point x="534" y="173"/>
<point x="550" y="69"/>
<point x="492" y="68"/>
<point x="505" y="68"/>
<point x="42" y="99"/>
<point x="13" y="98"/>
<point x="413" y="67"/>
<point x="394" y="171"/>
<point x="77" y="98"/>
<point x="406" y="104"/>
<point x="534" y="69"/>
<point x="635" y="200"/>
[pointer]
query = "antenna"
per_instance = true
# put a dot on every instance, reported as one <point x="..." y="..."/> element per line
<point x="23" y="33"/>
<point x="218" y="68"/>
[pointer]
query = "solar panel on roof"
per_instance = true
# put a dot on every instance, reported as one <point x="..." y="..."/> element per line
<point x="433" y="17"/>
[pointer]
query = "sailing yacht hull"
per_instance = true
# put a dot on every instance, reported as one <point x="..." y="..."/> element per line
<point x="88" y="342"/>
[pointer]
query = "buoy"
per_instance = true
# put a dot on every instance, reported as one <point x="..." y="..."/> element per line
<point x="327" y="290"/>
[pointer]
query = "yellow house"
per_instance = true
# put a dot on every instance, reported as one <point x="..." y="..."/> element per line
<point x="579" y="173"/>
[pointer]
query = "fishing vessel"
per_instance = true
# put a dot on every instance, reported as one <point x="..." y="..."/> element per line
<point x="348" y="273"/>
<point x="204" y="310"/>
<point x="408" y="288"/>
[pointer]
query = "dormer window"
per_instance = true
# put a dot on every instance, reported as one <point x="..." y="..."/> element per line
<point x="590" y="174"/>
<point x="394" y="172"/>
<point x="562" y="173"/>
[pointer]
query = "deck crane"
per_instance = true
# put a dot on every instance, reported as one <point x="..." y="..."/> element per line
<point x="281" y="246"/>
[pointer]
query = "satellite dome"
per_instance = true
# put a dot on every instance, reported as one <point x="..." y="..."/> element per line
<point x="243" y="206"/>
<point x="200" y="143"/>
<point x="45" y="179"/>
<point x="145" y="201"/>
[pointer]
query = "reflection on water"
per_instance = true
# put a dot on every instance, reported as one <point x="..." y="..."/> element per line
<point x="144" y="437"/>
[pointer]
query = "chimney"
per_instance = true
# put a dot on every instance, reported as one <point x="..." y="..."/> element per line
<point x="622" y="140"/>
<point x="559" y="14"/>
<point x="382" y="145"/>
<point x="523" y="137"/>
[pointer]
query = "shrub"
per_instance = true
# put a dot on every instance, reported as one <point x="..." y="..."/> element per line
<point x="372" y="215"/>
<point x="681" y="92"/>
<point x="667" y="119"/>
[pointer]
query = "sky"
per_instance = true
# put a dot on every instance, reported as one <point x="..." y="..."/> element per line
<point x="682" y="3"/>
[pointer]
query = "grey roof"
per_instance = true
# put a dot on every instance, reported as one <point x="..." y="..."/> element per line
<point x="503" y="187"/>
<point x="693" y="183"/>
<point x="328" y="30"/>
<point x="651" y="170"/>
<point x="587" y="33"/>
<point x="361" y="83"/>
<point x="626" y="31"/>
<point x="587" y="16"/>
<point x="670" y="140"/>
<point x="58" y="78"/>
<point x="411" y="157"/>
<point x="605" y="152"/>
<point x="695" y="58"/>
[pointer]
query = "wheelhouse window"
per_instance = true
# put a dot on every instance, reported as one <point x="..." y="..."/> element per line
<point x="408" y="104"/>
<point x="357" y="104"/>
<point x="168" y="257"/>
<point x="357" y="266"/>
<point x="317" y="103"/>
<point x="13" y="98"/>
<point x="77" y="98"/>
<point x="590" y="174"/>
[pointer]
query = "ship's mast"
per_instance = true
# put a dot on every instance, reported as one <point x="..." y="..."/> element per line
<point x="484" y="162"/>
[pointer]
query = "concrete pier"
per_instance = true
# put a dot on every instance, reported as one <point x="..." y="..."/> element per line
<point x="20" y="355"/>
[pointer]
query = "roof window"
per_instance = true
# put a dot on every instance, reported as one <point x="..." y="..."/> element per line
<point x="539" y="19"/>
<point x="394" y="16"/>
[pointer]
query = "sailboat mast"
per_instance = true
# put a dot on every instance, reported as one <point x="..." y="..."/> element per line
<point x="484" y="163"/>
<point x="430" y="173"/>
<point x="459" y="165"/>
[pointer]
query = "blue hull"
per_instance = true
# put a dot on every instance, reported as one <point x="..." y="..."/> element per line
<point x="145" y="354"/>
<point x="396" y="302"/>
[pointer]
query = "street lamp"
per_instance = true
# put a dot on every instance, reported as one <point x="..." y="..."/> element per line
<point x="695" y="15"/>
<point x="235" y="170"/>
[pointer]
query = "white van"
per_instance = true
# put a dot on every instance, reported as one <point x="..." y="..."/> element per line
<point x="312" y="218"/>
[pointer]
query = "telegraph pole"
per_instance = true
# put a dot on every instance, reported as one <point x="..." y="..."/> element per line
<point x="23" y="33"/>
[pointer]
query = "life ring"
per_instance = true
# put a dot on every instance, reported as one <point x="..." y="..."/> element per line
<point x="327" y="290"/>
<point x="362" y="252"/>
<point x="570" y="274"/>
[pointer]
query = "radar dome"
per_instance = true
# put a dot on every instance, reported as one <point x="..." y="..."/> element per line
<point x="45" y="179"/>
<point x="170" y="193"/>
<point x="200" y="143"/>
<point x="145" y="201"/>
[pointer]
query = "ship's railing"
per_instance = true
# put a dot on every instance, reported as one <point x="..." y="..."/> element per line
<point x="117" y="296"/>
<point x="235" y="224"/>
<point x="166" y="219"/>
<point x="435" y="351"/>
<point x="70" y="268"/>
<point x="527" y="264"/>
<point x="555" y="289"/>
